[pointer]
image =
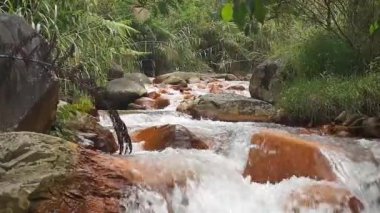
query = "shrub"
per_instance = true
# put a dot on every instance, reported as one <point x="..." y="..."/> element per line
<point x="69" y="112"/>
<point x="321" y="54"/>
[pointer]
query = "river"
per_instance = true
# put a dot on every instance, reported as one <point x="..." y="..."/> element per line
<point x="219" y="185"/>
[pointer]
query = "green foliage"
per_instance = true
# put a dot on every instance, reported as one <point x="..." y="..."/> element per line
<point x="68" y="113"/>
<point x="240" y="11"/>
<point x="98" y="37"/>
<point x="321" y="100"/>
<point x="324" y="54"/>
<point x="193" y="38"/>
<point x="374" y="28"/>
<point x="228" y="12"/>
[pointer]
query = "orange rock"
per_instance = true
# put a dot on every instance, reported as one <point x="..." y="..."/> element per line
<point x="161" y="137"/>
<point x="157" y="81"/>
<point x="154" y="95"/>
<point x="98" y="183"/>
<point x="215" y="88"/>
<point x="163" y="91"/>
<point x="161" y="103"/>
<point x="309" y="131"/>
<point x="236" y="87"/>
<point x="311" y="197"/>
<point x="149" y="103"/>
<point x="337" y="130"/>
<point x="278" y="156"/>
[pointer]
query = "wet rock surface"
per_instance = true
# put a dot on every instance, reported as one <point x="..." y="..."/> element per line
<point x="161" y="137"/>
<point x="316" y="196"/>
<point x="228" y="107"/>
<point x="152" y="103"/>
<point x="90" y="134"/>
<point x="275" y="157"/>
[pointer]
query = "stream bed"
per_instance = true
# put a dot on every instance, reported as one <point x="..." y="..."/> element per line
<point x="219" y="186"/>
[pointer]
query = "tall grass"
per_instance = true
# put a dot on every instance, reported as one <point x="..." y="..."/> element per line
<point x="99" y="39"/>
<point x="321" y="100"/>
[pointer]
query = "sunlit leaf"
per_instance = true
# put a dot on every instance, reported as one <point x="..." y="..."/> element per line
<point x="227" y="12"/>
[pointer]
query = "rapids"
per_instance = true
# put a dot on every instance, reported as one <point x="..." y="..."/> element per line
<point x="218" y="185"/>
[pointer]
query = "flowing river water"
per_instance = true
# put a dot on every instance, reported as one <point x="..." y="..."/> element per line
<point x="220" y="186"/>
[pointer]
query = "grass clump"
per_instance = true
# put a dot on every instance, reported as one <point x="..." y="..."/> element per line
<point x="321" y="100"/>
<point x="324" y="54"/>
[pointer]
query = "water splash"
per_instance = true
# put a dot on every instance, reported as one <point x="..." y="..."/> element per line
<point x="219" y="185"/>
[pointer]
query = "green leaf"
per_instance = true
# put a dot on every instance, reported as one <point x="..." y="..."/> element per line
<point x="240" y="12"/>
<point x="227" y="12"/>
<point x="259" y="11"/>
<point x="374" y="28"/>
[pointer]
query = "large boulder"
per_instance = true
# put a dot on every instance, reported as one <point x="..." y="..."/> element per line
<point x="267" y="81"/>
<point x="158" y="138"/>
<point x="275" y="157"/>
<point x="121" y="92"/>
<point x="25" y="160"/>
<point x="228" y="107"/>
<point x="28" y="89"/>
<point x="178" y="77"/>
<point x="41" y="173"/>
<point x="138" y="77"/>
<point x="116" y="71"/>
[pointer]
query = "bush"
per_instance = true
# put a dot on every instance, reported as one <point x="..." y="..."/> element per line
<point x="318" y="54"/>
<point x="323" y="53"/>
<point x="321" y="100"/>
<point x="69" y="112"/>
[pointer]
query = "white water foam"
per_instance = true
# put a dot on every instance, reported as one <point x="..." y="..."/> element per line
<point x="220" y="187"/>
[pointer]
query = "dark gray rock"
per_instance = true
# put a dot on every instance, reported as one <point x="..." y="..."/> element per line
<point x="267" y="81"/>
<point x="138" y="77"/>
<point x="121" y="92"/>
<point x="28" y="90"/>
<point x="115" y="72"/>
